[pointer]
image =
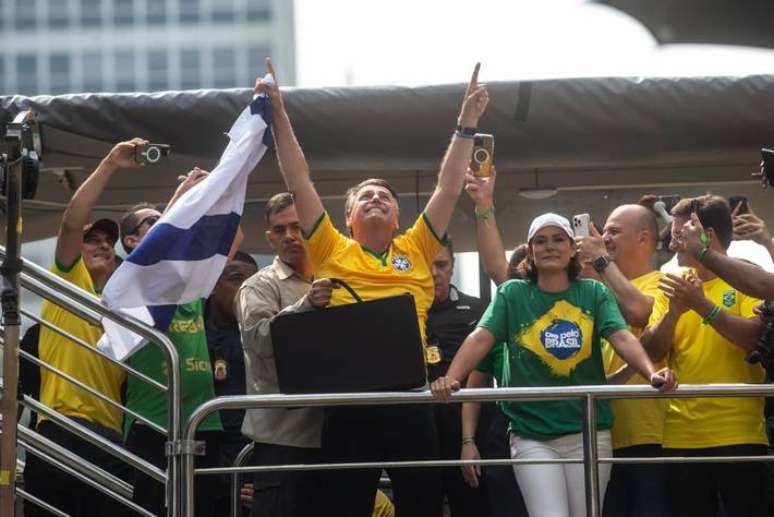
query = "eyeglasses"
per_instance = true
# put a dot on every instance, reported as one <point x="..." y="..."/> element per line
<point x="150" y="221"/>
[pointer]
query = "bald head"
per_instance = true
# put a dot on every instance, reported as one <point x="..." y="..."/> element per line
<point x="637" y="218"/>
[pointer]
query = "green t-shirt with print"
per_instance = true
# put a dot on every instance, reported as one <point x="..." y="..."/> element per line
<point x="186" y="331"/>
<point x="553" y="339"/>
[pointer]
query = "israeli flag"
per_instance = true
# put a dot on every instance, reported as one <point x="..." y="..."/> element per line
<point x="182" y="256"/>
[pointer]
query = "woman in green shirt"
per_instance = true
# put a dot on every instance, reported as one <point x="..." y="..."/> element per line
<point x="552" y="325"/>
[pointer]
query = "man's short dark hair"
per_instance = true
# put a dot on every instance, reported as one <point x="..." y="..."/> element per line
<point x="352" y="192"/>
<point x="713" y="212"/>
<point x="514" y="264"/>
<point x="129" y="221"/>
<point x="277" y="203"/>
<point x="241" y="256"/>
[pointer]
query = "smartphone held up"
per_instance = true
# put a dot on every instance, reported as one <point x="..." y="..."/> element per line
<point x="483" y="155"/>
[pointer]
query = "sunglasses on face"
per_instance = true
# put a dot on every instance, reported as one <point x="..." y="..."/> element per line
<point x="150" y="221"/>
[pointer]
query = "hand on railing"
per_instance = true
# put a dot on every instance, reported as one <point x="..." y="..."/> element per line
<point x="664" y="379"/>
<point x="246" y="494"/>
<point x="443" y="387"/>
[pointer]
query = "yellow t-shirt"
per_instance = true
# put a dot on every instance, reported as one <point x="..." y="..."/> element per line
<point x="405" y="267"/>
<point x="637" y="421"/>
<point x="60" y="394"/>
<point x="700" y="355"/>
<point x="383" y="507"/>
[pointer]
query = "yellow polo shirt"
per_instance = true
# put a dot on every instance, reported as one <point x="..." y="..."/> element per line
<point x="700" y="355"/>
<point x="405" y="267"/>
<point x="637" y="421"/>
<point x="95" y="372"/>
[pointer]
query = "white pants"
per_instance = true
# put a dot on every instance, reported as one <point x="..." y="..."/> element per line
<point x="558" y="490"/>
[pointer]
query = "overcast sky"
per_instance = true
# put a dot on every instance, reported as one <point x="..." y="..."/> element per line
<point x="411" y="42"/>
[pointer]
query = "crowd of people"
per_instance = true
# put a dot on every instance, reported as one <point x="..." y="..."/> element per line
<point x="569" y="310"/>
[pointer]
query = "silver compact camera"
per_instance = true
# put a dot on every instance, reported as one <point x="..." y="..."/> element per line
<point x="150" y="153"/>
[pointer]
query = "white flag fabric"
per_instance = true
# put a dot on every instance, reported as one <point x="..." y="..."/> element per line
<point x="182" y="256"/>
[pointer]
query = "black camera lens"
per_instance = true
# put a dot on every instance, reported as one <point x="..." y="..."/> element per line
<point x="481" y="155"/>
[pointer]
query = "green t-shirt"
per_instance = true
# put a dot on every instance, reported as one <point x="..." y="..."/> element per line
<point x="187" y="334"/>
<point x="553" y="339"/>
<point x="492" y="364"/>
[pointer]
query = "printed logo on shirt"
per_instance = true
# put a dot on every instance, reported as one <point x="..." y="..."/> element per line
<point x="191" y="326"/>
<point x="561" y="337"/>
<point x="729" y="298"/>
<point x="401" y="263"/>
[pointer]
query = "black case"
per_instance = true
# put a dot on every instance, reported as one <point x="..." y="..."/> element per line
<point x="367" y="346"/>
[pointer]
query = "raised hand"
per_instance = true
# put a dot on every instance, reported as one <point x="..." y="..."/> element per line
<point x="683" y="292"/>
<point x="592" y="247"/>
<point x="122" y="154"/>
<point x="475" y="101"/>
<point x="481" y="189"/>
<point x="690" y="240"/>
<point x="750" y="227"/>
<point x="269" y="86"/>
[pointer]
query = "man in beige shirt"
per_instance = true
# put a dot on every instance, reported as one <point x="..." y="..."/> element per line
<point x="281" y="435"/>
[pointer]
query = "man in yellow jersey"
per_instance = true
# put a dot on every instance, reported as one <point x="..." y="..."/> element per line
<point x="706" y="328"/>
<point x="85" y="256"/>
<point x="377" y="262"/>
<point x="623" y="258"/>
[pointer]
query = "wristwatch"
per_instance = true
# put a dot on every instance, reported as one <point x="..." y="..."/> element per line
<point x="600" y="263"/>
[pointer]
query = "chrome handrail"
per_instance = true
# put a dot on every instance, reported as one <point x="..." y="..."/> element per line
<point x="88" y="389"/>
<point x="89" y="307"/>
<point x="588" y="394"/>
<point x="32" y="440"/>
<point x="246" y="451"/>
<point x="89" y="481"/>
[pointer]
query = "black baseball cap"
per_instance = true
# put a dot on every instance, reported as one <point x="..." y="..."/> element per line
<point x="109" y="226"/>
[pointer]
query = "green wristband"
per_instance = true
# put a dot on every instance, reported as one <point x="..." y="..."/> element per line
<point x="714" y="313"/>
<point x="702" y="253"/>
<point x="467" y="440"/>
<point x="483" y="214"/>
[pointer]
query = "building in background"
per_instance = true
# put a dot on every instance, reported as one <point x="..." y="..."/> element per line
<point x="70" y="46"/>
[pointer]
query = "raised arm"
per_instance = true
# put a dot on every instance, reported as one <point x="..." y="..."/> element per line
<point x="78" y="212"/>
<point x="455" y="162"/>
<point x="635" y="306"/>
<point x="488" y="240"/>
<point x="743" y="276"/>
<point x="292" y="163"/>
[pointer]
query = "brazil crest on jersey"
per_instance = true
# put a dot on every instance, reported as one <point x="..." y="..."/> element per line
<point x="553" y="339"/>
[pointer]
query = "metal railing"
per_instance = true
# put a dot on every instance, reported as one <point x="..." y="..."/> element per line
<point x="587" y="394"/>
<point x="81" y="303"/>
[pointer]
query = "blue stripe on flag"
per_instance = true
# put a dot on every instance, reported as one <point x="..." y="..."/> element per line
<point x="210" y="235"/>
<point x="162" y="315"/>
<point x="261" y="105"/>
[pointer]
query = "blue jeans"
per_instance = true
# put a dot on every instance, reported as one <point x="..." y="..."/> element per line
<point x="636" y="489"/>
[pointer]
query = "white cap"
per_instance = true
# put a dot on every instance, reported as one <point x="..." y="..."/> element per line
<point x="550" y="219"/>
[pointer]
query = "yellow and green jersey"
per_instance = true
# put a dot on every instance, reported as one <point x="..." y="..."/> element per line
<point x="61" y="353"/>
<point x="405" y="267"/>
<point x="700" y="355"/>
<point x="637" y="421"/>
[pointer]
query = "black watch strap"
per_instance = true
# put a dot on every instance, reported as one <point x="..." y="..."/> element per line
<point x="600" y="263"/>
<point x="469" y="132"/>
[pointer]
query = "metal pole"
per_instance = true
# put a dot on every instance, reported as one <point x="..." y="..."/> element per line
<point x="236" y="478"/>
<point x="9" y="298"/>
<point x="590" y="465"/>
